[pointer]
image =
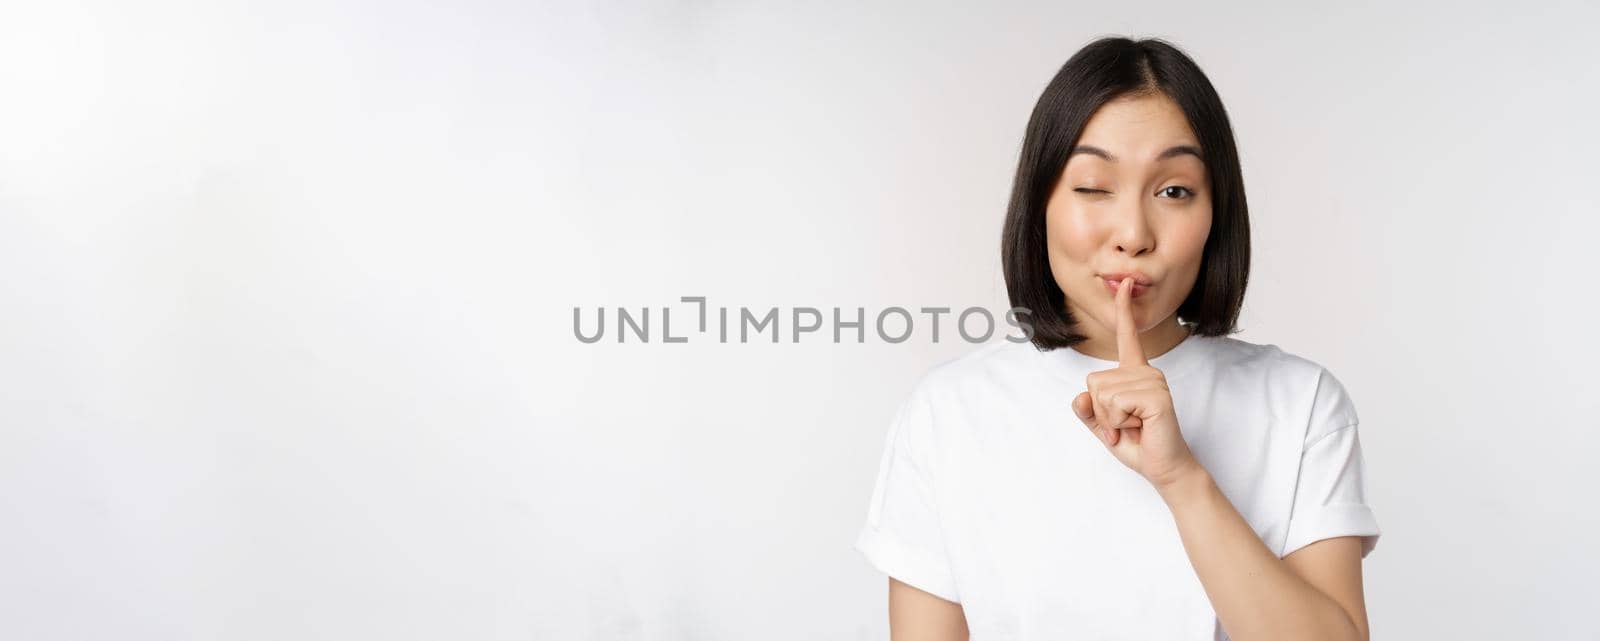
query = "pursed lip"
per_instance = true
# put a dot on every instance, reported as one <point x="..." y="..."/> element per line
<point x="1138" y="278"/>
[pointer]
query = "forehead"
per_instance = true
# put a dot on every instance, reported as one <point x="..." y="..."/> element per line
<point x="1137" y="129"/>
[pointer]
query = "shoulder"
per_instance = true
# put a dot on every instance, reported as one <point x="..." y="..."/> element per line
<point x="984" y="369"/>
<point x="1291" y="379"/>
<point x="1229" y="354"/>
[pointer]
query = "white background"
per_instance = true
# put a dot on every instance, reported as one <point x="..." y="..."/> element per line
<point x="286" y="297"/>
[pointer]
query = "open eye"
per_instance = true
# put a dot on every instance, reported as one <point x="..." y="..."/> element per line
<point x="1177" y="192"/>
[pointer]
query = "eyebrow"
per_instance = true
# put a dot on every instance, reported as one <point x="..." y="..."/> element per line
<point x="1171" y="152"/>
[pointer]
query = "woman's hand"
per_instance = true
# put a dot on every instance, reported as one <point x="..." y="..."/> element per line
<point x="1130" y="408"/>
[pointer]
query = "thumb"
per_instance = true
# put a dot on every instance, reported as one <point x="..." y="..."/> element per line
<point x="1083" y="406"/>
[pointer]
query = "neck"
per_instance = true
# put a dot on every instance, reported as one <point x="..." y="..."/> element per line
<point x="1102" y="342"/>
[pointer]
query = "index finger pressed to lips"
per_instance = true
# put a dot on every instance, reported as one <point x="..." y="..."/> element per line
<point x="1129" y="351"/>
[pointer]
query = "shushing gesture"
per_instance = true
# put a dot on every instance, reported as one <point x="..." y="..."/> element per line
<point x="1130" y="409"/>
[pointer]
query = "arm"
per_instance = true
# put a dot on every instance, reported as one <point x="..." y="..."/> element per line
<point x="1314" y="593"/>
<point x="903" y="536"/>
<point x="915" y="615"/>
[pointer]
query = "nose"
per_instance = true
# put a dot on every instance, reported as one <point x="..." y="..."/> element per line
<point x="1131" y="230"/>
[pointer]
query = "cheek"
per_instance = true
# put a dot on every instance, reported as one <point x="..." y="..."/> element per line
<point x="1187" y="245"/>
<point x="1190" y="241"/>
<point x="1068" y="235"/>
<point x="1069" y="247"/>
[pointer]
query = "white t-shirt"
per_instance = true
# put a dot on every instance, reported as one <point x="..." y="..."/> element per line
<point x="991" y="492"/>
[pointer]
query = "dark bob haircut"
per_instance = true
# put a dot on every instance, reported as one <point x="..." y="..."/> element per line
<point x="1104" y="70"/>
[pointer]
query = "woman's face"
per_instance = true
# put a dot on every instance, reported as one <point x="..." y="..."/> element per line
<point x="1133" y="198"/>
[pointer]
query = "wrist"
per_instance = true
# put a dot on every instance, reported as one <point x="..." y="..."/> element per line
<point x="1186" y="486"/>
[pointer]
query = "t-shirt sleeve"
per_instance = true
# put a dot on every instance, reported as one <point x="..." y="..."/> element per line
<point x="1330" y="498"/>
<point x="902" y="536"/>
